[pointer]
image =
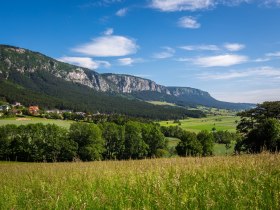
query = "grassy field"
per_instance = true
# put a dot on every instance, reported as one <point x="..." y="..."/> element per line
<point x="161" y="103"/>
<point x="236" y="182"/>
<point x="30" y="120"/>
<point x="198" y="124"/>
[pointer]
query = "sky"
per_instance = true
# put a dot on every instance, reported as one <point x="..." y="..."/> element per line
<point x="229" y="48"/>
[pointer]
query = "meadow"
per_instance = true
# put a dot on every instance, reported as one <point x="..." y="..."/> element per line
<point x="222" y="123"/>
<point x="33" y="120"/>
<point x="233" y="182"/>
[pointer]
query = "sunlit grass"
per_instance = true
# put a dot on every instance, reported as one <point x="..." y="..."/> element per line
<point x="235" y="182"/>
<point x="34" y="120"/>
<point x="197" y="124"/>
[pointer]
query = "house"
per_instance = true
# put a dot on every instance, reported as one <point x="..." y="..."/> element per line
<point x="4" y="108"/>
<point x="16" y="104"/>
<point x="55" y="111"/>
<point x="34" y="110"/>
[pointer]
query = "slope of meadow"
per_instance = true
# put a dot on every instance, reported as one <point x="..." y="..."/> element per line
<point x="237" y="182"/>
<point x="223" y="123"/>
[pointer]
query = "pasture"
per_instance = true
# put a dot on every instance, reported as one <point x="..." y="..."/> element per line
<point x="207" y="123"/>
<point x="232" y="182"/>
<point x="33" y="120"/>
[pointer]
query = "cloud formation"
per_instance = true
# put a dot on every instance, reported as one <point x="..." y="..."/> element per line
<point x="234" y="46"/>
<point x="122" y="12"/>
<point x="220" y="60"/>
<point x="108" y="46"/>
<point x="188" y="22"/>
<point x="167" y="52"/>
<point x="126" y="61"/>
<point x="265" y="71"/>
<point x="194" y="5"/>
<point x="274" y="54"/>
<point x="85" y="62"/>
<point x="200" y="47"/>
<point x="181" y="5"/>
<point x="109" y="32"/>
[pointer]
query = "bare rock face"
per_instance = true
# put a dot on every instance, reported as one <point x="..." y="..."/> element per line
<point x="79" y="76"/>
<point x="179" y="91"/>
<point x="129" y="84"/>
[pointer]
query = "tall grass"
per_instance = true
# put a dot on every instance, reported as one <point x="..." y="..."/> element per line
<point x="241" y="182"/>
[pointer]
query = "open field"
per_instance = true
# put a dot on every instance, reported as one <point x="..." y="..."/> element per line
<point x="236" y="182"/>
<point x="161" y="103"/>
<point x="198" y="124"/>
<point x="33" y="120"/>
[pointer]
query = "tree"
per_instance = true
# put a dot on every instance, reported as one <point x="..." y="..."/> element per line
<point x="113" y="135"/>
<point x="154" y="138"/>
<point x="89" y="140"/>
<point x="189" y="145"/>
<point x="207" y="141"/>
<point x="259" y="128"/>
<point x="265" y="136"/>
<point x="135" y="147"/>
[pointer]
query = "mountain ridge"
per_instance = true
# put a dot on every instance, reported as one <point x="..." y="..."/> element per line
<point x="26" y="62"/>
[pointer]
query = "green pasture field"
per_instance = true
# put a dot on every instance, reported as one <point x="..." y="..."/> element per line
<point x="198" y="124"/>
<point x="228" y="182"/>
<point x="161" y="103"/>
<point x="33" y="120"/>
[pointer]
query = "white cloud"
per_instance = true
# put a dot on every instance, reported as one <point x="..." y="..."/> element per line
<point x="271" y="3"/>
<point x="265" y="71"/>
<point x="258" y="60"/>
<point x="181" y="5"/>
<point x="122" y="12"/>
<point x="220" y="60"/>
<point x="188" y="22"/>
<point x="125" y="61"/>
<point x="108" y="46"/>
<point x="251" y="96"/>
<point x="109" y="32"/>
<point x="200" y="48"/>
<point x="167" y="53"/>
<point x="194" y="5"/>
<point x="85" y="62"/>
<point x="234" y="46"/>
<point x="274" y="54"/>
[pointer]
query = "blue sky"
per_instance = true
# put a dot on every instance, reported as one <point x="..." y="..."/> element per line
<point x="228" y="48"/>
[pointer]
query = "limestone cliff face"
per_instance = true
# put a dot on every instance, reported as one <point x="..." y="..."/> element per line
<point x="26" y="62"/>
<point x="129" y="84"/>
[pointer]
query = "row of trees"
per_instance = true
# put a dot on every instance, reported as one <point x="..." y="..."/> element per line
<point x="85" y="141"/>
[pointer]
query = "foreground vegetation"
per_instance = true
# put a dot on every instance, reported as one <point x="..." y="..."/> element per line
<point x="236" y="182"/>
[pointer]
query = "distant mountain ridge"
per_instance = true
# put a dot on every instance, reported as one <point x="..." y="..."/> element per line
<point x="14" y="60"/>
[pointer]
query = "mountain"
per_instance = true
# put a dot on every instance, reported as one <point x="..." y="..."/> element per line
<point x="24" y="73"/>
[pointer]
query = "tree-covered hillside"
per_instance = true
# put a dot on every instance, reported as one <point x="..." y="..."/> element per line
<point x="43" y="89"/>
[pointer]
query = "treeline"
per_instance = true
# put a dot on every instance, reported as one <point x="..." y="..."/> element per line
<point x="201" y="144"/>
<point x="83" y="141"/>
